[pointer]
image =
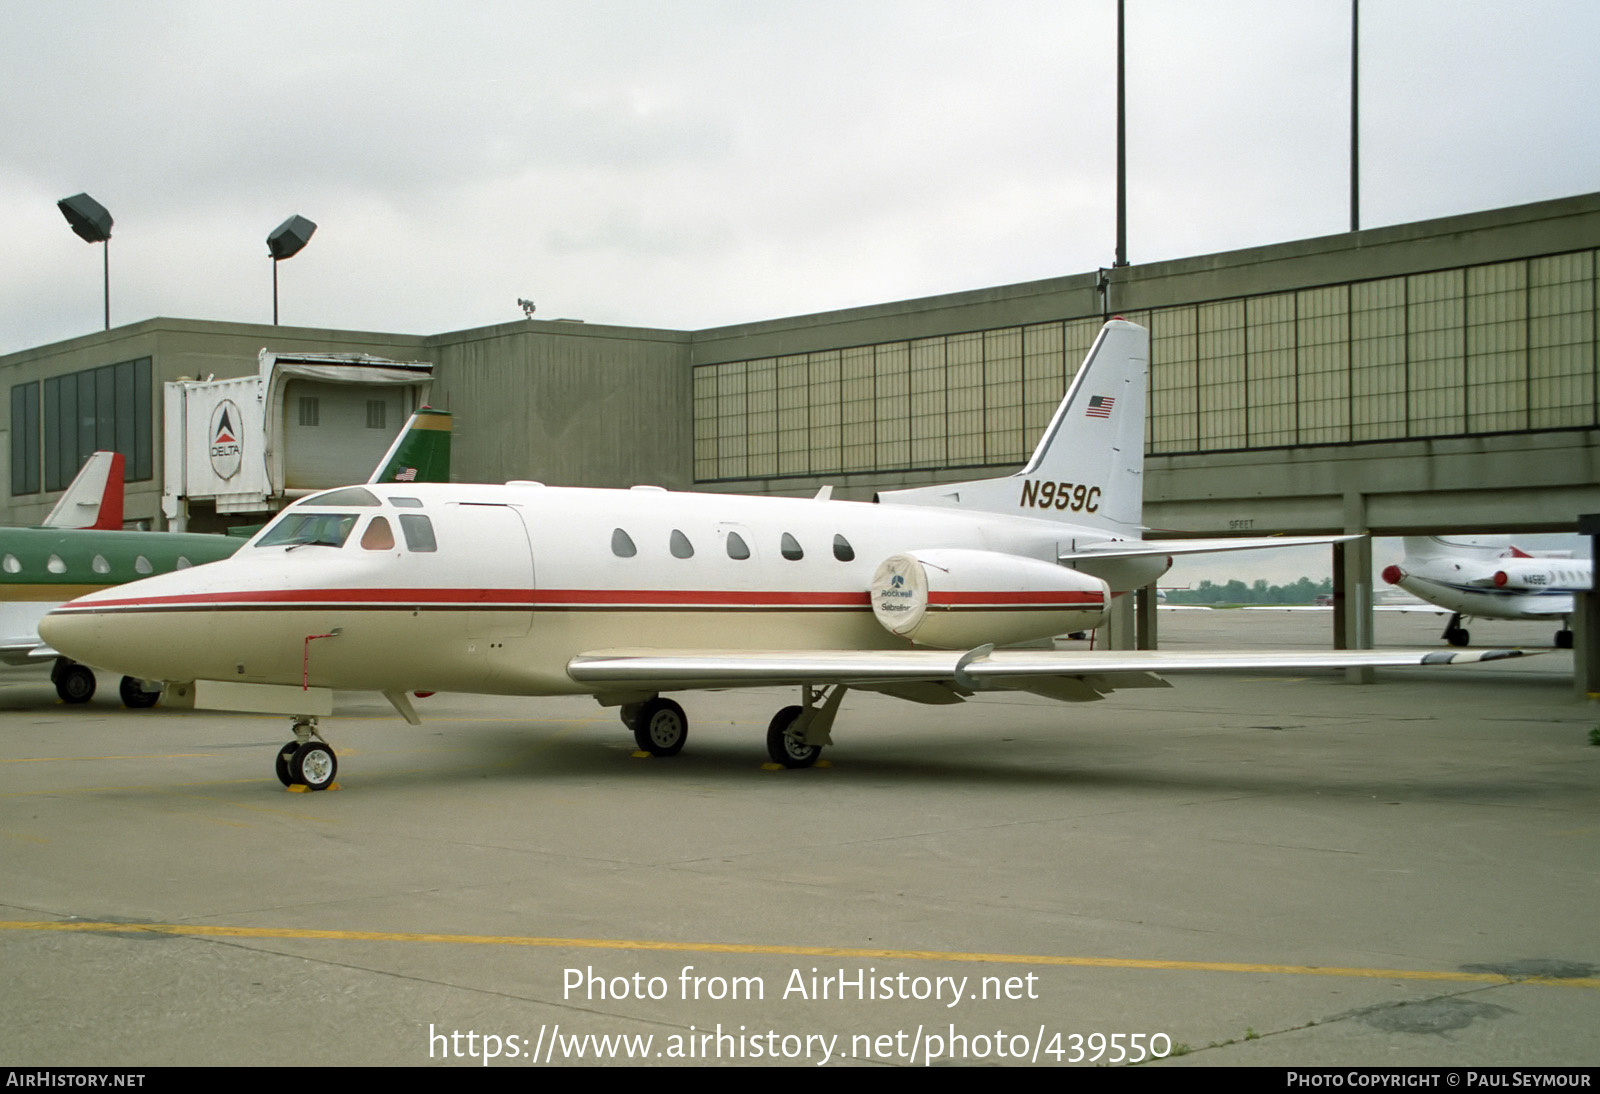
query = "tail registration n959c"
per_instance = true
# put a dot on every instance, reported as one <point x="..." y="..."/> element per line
<point x="1073" y="497"/>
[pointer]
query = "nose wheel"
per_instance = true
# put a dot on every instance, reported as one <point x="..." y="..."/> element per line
<point x="304" y="761"/>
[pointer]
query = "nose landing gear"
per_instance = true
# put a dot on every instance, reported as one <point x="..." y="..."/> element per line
<point x="304" y="762"/>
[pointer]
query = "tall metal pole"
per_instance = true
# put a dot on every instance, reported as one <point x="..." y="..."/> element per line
<point x="274" y="292"/>
<point x="1122" y="152"/>
<point x="1355" y="116"/>
<point x="106" y="254"/>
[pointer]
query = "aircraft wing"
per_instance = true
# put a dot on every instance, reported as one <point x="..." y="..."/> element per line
<point x="1133" y="548"/>
<point x="1428" y="609"/>
<point x="945" y="676"/>
<point x="25" y="651"/>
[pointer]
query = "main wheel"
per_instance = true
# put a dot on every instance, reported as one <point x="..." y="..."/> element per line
<point x="135" y="697"/>
<point x="661" y="727"/>
<point x="1563" y="640"/>
<point x="314" y="766"/>
<point x="74" y="683"/>
<point x="1457" y="637"/>
<point x="285" y="758"/>
<point x="781" y="744"/>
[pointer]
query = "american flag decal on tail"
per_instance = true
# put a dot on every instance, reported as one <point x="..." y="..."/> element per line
<point x="1100" y="406"/>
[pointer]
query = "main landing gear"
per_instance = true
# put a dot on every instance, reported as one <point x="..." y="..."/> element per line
<point x="134" y="697"/>
<point x="306" y="762"/>
<point x="795" y="737"/>
<point x="1456" y="635"/>
<point x="74" y="682"/>
<point x="660" y="727"/>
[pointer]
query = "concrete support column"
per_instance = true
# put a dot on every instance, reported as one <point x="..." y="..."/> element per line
<point x="1145" y="606"/>
<point x="1586" y="620"/>
<point x="1118" y="633"/>
<point x="1352" y="587"/>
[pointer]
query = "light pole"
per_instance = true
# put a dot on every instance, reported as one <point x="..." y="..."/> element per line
<point x="285" y="241"/>
<point x="92" y="224"/>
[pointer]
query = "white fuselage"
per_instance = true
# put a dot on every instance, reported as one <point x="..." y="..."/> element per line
<point x="524" y="577"/>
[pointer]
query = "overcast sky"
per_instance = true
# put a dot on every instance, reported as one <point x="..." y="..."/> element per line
<point x="699" y="162"/>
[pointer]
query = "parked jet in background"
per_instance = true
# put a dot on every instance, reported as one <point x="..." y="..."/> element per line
<point x="1477" y="580"/>
<point x="41" y="568"/>
<point x="94" y="498"/>
<point x="525" y="589"/>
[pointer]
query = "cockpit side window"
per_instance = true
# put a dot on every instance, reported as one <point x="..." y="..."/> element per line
<point x="378" y="536"/>
<point x="418" y="531"/>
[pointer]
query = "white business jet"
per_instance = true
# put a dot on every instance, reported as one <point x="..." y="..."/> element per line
<point x="525" y="589"/>
<point x="1488" y="581"/>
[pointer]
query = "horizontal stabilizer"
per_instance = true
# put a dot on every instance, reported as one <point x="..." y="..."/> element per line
<point x="1134" y="548"/>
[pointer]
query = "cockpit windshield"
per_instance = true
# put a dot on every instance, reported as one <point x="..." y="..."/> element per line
<point x="298" y="529"/>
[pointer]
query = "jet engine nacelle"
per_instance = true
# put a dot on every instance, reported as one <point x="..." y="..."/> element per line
<point x="1524" y="577"/>
<point x="958" y="599"/>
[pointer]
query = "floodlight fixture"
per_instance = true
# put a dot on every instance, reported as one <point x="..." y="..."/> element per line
<point x="526" y="306"/>
<point x="91" y="223"/>
<point x="286" y="241"/>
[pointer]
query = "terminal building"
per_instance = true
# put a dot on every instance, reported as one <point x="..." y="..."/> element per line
<point x="1419" y="378"/>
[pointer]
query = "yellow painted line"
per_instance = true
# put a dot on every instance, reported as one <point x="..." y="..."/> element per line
<point x="201" y="930"/>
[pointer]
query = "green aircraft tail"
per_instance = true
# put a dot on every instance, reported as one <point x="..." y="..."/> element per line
<point x="421" y="453"/>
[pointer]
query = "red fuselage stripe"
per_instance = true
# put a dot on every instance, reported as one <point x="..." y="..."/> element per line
<point x="532" y="599"/>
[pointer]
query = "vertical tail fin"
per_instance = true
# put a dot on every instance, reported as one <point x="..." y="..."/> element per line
<point x="421" y="453"/>
<point x="94" y="498"/>
<point x="1088" y="468"/>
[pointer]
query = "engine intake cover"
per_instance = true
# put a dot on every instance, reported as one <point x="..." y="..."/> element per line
<point x="957" y="599"/>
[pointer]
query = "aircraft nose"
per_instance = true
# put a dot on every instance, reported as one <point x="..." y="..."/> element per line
<point x="138" y="644"/>
<point x="68" y="634"/>
<point x="1392" y="574"/>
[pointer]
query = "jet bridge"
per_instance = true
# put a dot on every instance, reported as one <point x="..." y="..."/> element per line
<point x="303" y="423"/>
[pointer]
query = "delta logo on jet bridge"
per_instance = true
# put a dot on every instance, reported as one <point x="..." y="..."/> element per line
<point x="227" y="454"/>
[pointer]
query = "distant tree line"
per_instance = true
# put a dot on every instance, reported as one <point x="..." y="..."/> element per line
<point x="1304" y="591"/>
